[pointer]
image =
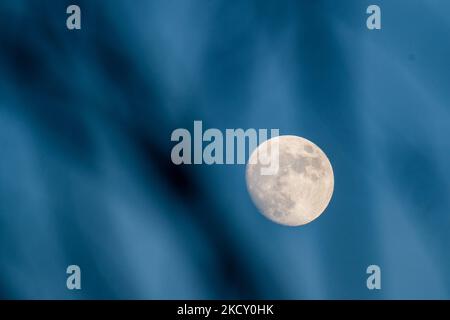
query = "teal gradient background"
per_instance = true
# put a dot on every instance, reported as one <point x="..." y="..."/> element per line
<point x="85" y="170"/>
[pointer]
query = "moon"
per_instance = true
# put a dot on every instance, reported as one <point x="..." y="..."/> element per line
<point x="302" y="187"/>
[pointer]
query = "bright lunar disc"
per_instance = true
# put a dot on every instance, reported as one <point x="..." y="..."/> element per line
<point x="302" y="187"/>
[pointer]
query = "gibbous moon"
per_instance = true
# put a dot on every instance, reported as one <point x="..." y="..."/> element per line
<point x="302" y="187"/>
